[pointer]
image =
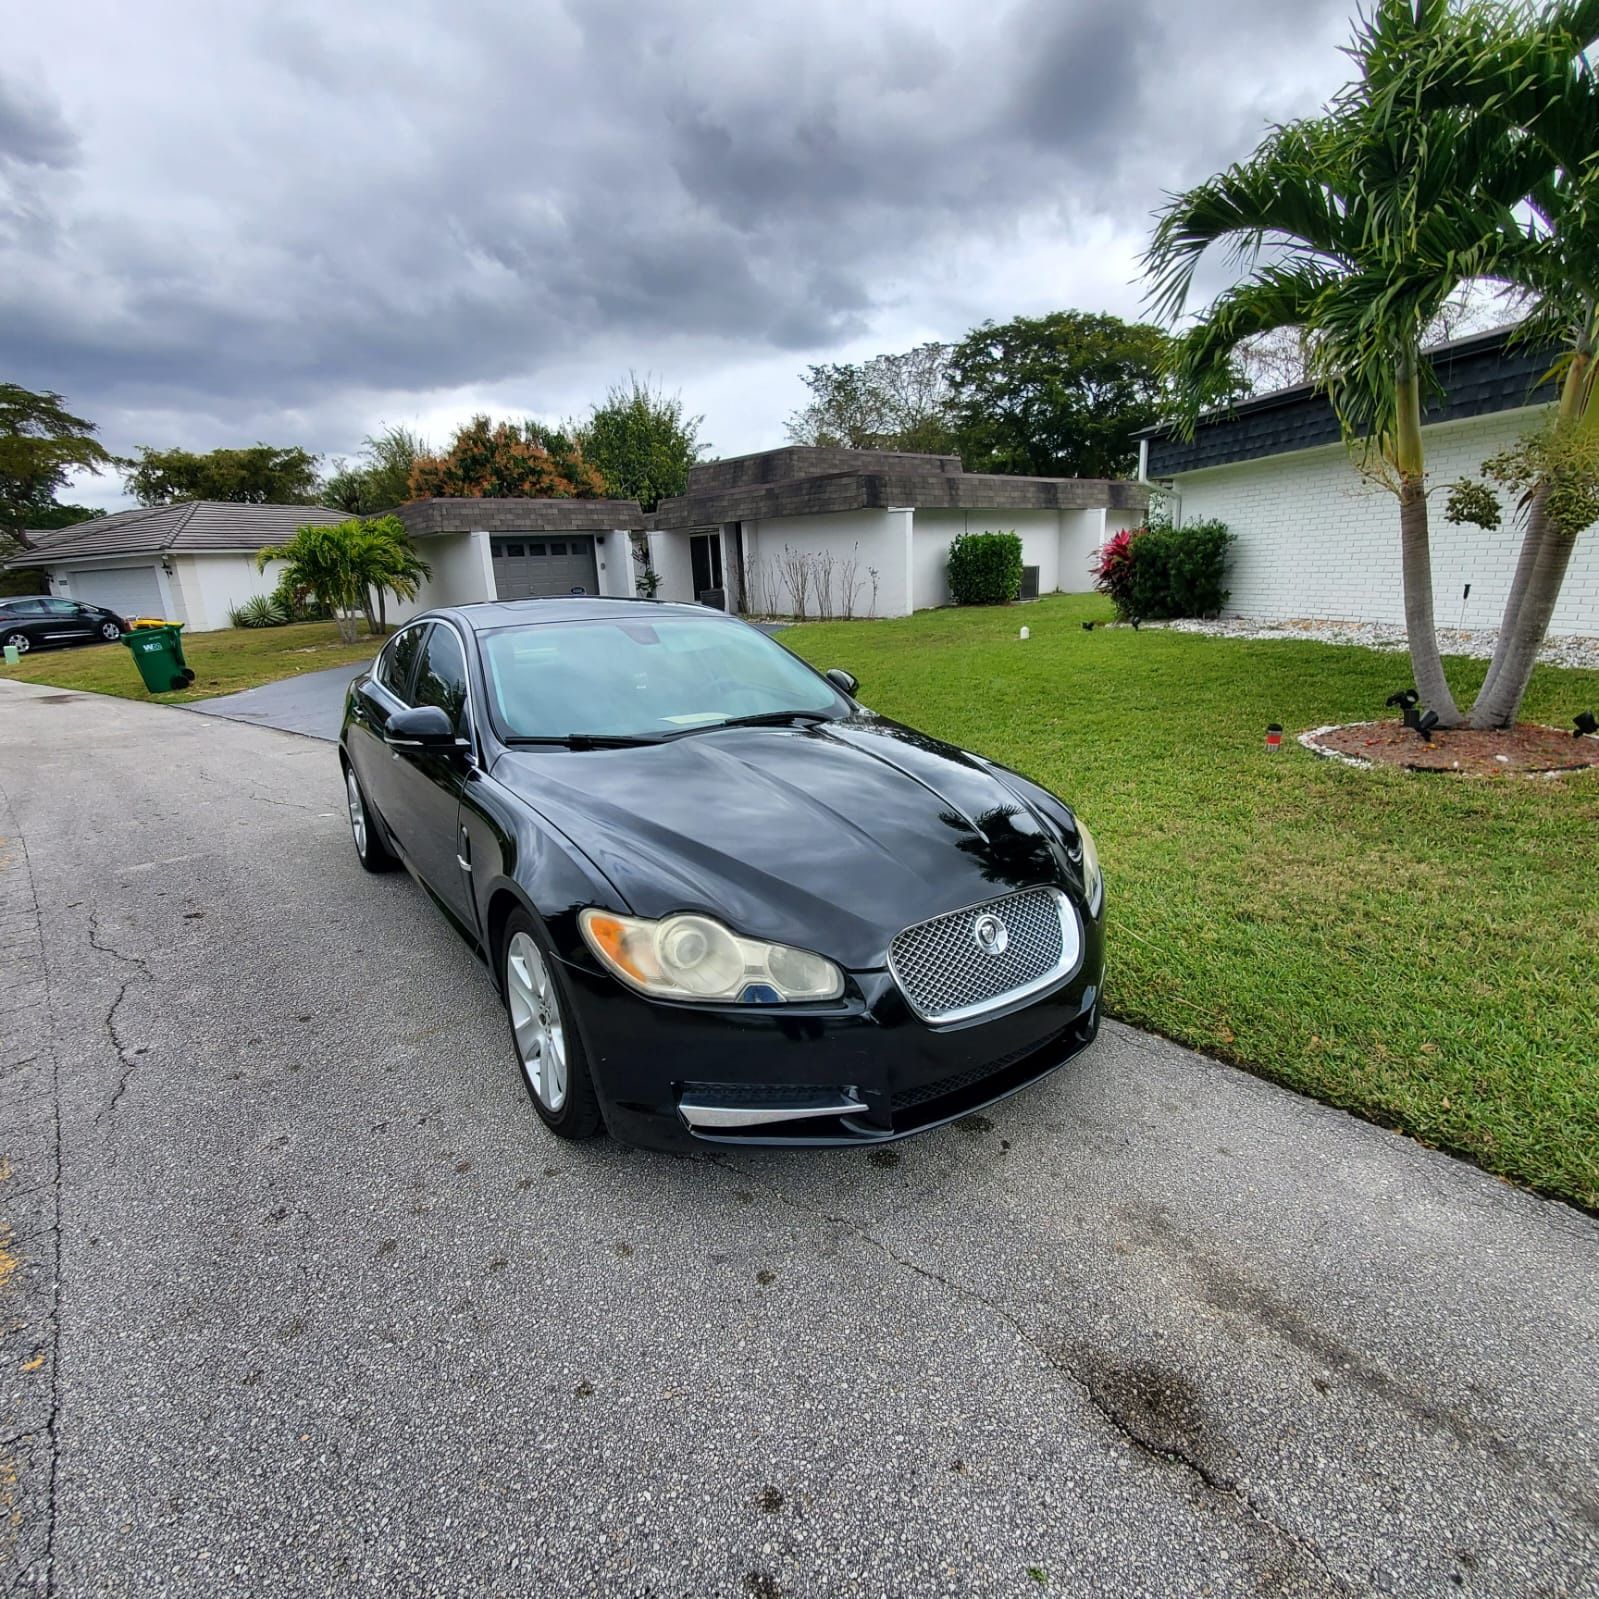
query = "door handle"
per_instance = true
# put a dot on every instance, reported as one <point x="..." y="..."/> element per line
<point x="463" y="856"/>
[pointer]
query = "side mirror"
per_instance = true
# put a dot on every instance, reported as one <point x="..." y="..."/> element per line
<point x="844" y="682"/>
<point x="421" y="727"/>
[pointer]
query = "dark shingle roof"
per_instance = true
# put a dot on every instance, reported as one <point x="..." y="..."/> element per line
<point x="801" y="481"/>
<point x="1479" y="375"/>
<point x="422" y="517"/>
<point x="190" y="527"/>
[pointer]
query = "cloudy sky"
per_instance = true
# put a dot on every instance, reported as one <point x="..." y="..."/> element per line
<point x="295" y="222"/>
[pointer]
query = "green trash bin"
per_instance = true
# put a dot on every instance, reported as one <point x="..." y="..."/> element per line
<point x="158" y="653"/>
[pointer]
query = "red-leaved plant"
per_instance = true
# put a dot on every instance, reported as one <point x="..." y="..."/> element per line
<point x="1113" y="570"/>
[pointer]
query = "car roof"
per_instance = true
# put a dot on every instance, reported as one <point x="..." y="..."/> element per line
<point x="487" y="615"/>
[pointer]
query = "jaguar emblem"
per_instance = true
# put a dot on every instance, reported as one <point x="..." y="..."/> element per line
<point x="991" y="935"/>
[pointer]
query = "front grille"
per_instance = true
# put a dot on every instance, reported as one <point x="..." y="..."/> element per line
<point x="946" y="974"/>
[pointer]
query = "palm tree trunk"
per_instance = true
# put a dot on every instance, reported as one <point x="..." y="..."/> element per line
<point x="1415" y="547"/>
<point x="371" y="615"/>
<point x="1517" y="655"/>
<point x="1540" y="573"/>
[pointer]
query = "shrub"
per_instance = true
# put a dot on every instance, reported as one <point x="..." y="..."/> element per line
<point x="1157" y="573"/>
<point x="985" y="568"/>
<point x="297" y="602"/>
<point x="260" y="610"/>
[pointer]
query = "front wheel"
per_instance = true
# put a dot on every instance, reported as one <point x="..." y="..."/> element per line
<point x="110" y="632"/>
<point x="554" y="1069"/>
<point x="18" y="642"/>
<point x="370" y="849"/>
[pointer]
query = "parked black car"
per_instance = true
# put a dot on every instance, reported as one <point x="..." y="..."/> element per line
<point x="722" y="899"/>
<point x="39" y="623"/>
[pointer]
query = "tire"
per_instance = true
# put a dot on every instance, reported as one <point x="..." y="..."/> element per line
<point x="110" y="632"/>
<point x="365" y="829"/>
<point x="549" y="1053"/>
<point x="20" y="642"/>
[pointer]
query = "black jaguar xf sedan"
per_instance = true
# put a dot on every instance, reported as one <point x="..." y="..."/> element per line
<point x="40" y="623"/>
<point x="723" y="901"/>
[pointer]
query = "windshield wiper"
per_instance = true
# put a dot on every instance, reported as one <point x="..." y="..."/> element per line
<point x="761" y="719"/>
<point x="583" y="741"/>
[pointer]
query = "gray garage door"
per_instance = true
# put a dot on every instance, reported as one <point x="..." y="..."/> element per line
<point x="127" y="590"/>
<point x="537" y="563"/>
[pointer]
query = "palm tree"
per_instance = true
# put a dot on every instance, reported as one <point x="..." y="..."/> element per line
<point x="1527" y="78"/>
<point x="1358" y="226"/>
<point x="345" y="563"/>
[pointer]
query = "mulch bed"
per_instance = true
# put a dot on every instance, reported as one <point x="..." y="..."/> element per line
<point x="1527" y="749"/>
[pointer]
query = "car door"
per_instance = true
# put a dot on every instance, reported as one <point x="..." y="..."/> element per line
<point x="383" y="691"/>
<point x="26" y="618"/>
<point x="69" y="622"/>
<point x="428" y="802"/>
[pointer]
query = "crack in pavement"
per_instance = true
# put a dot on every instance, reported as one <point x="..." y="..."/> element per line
<point x="1211" y="1481"/>
<point x="127" y="1057"/>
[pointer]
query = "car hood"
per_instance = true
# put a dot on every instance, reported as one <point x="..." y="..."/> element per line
<point x="830" y="838"/>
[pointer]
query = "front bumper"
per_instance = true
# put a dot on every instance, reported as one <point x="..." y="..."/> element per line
<point x="870" y="1051"/>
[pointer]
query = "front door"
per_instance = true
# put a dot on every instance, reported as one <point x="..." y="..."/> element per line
<point x="705" y="553"/>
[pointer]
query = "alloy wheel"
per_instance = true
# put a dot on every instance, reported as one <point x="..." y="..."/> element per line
<point x="19" y="642"/>
<point x="357" y="812"/>
<point x="110" y="632"/>
<point x="536" y="1021"/>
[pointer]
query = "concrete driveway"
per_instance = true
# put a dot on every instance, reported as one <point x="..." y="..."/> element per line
<point x="300" y="1299"/>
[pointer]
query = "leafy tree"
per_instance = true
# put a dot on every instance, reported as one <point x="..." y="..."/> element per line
<point x="59" y="516"/>
<point x="507" y="460"/>
<point x="1374" y="216"/>
<point x="380" y="476"/>
<point x="41" y="445"/>
<point x="262" y="474"/>
<point x="346" y="563"/>
<point x="891" y="402"/>
<point x="641" y="442"/>
<point x="1056" y="396"/>
<point x="1528" y="79"/>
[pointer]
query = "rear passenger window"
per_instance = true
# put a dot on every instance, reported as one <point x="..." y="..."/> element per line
<point x="395" y="663"/>
<point x="442" y="678"/>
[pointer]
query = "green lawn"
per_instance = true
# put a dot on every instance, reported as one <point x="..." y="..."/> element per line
<point x="223" y="662"/>
<point x="1419" y="949"/>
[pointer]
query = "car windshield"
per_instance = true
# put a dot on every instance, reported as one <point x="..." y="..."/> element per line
<point x="656" y="676"/>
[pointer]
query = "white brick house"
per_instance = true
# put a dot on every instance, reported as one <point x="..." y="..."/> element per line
<point x="1318" y="539"/>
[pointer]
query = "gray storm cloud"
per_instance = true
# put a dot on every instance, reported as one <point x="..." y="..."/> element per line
<point x="258" y="212"/>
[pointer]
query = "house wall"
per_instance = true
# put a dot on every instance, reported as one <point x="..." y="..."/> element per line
<point x="463" y="573"/>
<point x="1316" y="539"/>
<point x="868" y="538"/>
<point x="669" y="556"/>
<point x="614" y="553"/>
<point x="211" y="584"/>
<point x="1042" y="534"/>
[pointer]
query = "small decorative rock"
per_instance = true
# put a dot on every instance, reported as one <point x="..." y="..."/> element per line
<point x="1573" y="650"/>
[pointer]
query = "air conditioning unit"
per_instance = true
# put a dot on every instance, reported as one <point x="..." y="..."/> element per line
<point x="715" y="598"/>
<point x="1029" y="583"/>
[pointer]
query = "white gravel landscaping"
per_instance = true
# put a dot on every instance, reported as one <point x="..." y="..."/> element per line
<point x="1578" y="650"/>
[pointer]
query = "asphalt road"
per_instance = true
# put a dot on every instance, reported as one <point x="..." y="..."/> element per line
<point x="298" y="1298"/>
<point x="311" y="703"/>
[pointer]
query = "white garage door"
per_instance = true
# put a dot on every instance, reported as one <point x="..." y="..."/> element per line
<point x="127" y="590"/>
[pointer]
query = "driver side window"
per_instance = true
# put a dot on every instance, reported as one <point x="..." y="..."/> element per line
<point x="396" y="663"/>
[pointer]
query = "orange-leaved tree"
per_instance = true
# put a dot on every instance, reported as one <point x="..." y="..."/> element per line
<point x="507" y="460"/>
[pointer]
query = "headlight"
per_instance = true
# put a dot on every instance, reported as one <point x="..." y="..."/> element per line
<point x="1093" y="878"/>
<point x="693" y="957"/>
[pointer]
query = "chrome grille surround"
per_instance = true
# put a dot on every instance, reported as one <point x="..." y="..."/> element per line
<point x="946" y="977"/>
